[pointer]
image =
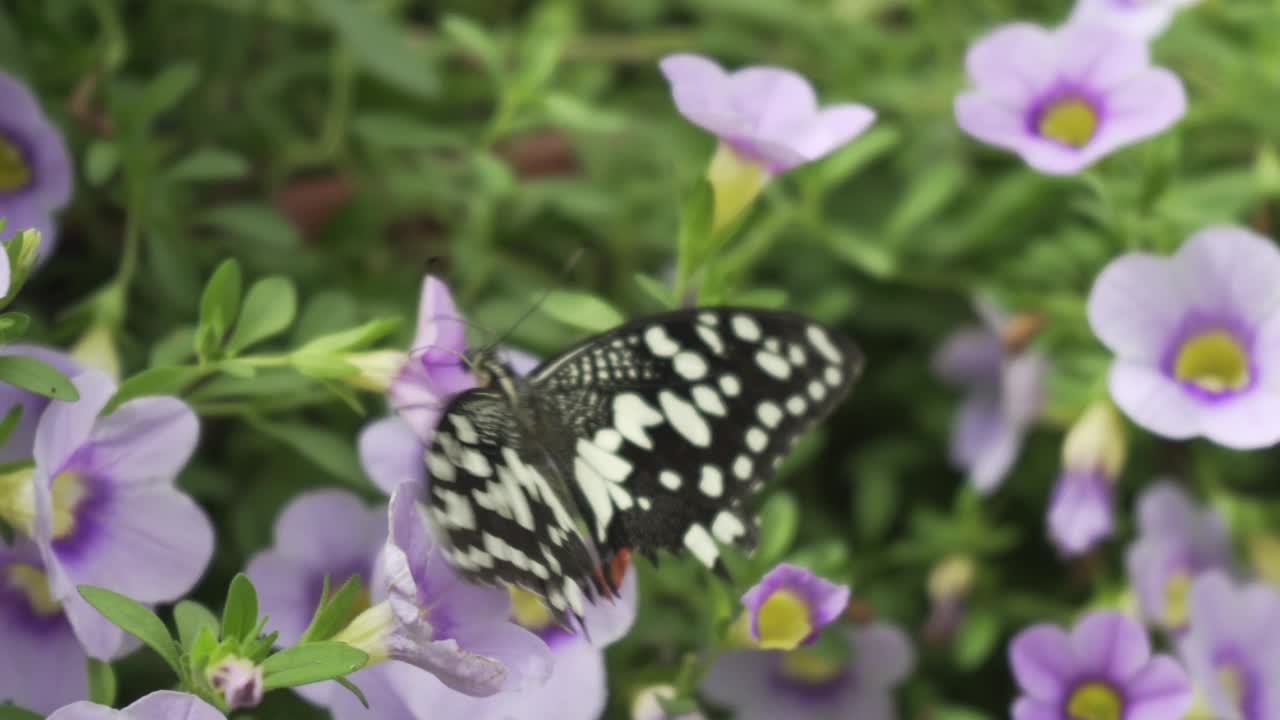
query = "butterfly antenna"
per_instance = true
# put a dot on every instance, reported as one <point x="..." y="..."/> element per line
<point x="564" y="274"/>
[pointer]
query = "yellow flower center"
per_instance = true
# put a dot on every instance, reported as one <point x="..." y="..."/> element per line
<point x="1232" y="682"/>
<point x="808" y="667"/>
<point x="1177" y="596"/>
<point x="14" y="171"/>
<point x="1214" y="361"/>
<point x="18" y="500"/>
<point x="782" y="622"/>
<point x="32" y="582"/>
<point x="528" y="610"/>
<point x="67" y="490"/>
<point x="1071" y="121"/>
<point x="1095" y="701"/>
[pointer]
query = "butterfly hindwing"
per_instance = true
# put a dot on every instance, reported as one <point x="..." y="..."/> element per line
<point x="670" y="422"/>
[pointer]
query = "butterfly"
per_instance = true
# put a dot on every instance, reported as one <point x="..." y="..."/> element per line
<point x="651" y="436"/>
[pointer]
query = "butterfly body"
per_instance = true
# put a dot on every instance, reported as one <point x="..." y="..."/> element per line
<point x="652" y="436"/>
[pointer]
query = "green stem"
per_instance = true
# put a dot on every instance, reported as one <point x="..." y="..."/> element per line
<point x="342" y="86"/>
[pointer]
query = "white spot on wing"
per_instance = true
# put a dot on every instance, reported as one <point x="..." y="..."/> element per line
<point x="609" y="439"/>
<point x="796" y="405"/>
<point x="817" y="390"/>
<point x="712" y="339"/>
<point x="833" y="376"/>
<point x="742" y="467"/>
<point x="727" y="527"/>
<point x="707" y="318"/>
<point x="775" y="365"/>
<point x="757" y="440"/>
<point x="708" y="401"/>
<point x="466" y="431"/>
<point x="769" y="413"/>
<point x="795" y="354"/>
<point x="659" y="342"/>
<point x="606" y="463"/>
<point x="631" y="415"/>
<point x="669" y="480"/>
<point x="690" y="365"/>
<point x="730" y="385"/>
<point x="746" y="328"/>
<point x="441" y="469"/>
<point x="711" y="482"/>
<point x="699" y="542"/>
<point x="820" y="340"/>
<point x="596" y="490"/>
<point x="685" y="419"/>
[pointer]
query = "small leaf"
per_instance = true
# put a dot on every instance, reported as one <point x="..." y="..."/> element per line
<point x="13" y="712"/>
<point x="191" y="617"/>
<point x="261" y="224"/>
<point x="309" y="663"/>
<point x="10" y="421"/>
<point x="356" y="338"/>
<point x="101" y="161"/>
<point x="473" y="38"/>
<point x="37" y="376"/>
<point x="323" y="367"/>
<point x="205" y="643"/>
<point x="240" y="613"/>
<point x="354" y="690"/>
<point x="655" y="289"/>
<point x="581" y="310"/>
<point x="166" y="89"/>
<point x="209" y="164"/>
<point x="977" y="638"/>
<point x="334" y="611"/>
<point x="13" y="325"/>
<point x="220" y="302"/>
<point x="136" y="619"/>
<point x="695" y="238"/>
<point x="400" y="132"/>
<point x="269" y="309"/>
<point x="102" y="682"/>
<point x="156" y="381"/>
<point x="380" y="45"/>
<point x="779" y="520"/>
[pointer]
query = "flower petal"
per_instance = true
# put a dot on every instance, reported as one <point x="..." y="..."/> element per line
<point x="440" y="326"/>
<point x="740" y="680"/>
<point x="700" y="89"/>
<point x="833" y="127"/>
<point x="42" y="666"/>
<point x="576" y="690"/>
<point x="21" y="441"/>
<point x="169" y="705"/>
<point x="1165" y="508"/>
<point x="1110" y="644"/>
<point x="1245" y="422"/>
<point x="1028" y="709"/>
<point x="147" y="440"/>
<point x="1146" y="105"/>
<point x="1154" y="401"/>
<point x="1014" y="64"/>
<point x="1043" y="661"/>
<point x="85" y="710"/>
<point x="1136" y="306"/>
<point x="775" y="102"/>
<point x="391" y="454"/>
<point x="284" y="593"/>
<point x="65" y="426"/>
<point x="884" y="656"/>
<point x="1100" y="58"/>
<point x="1234" y="270"/>
<point x="608" y="621"/>
<point x="1080" y="511"/>
<point x="971" y="356"/>
<point x="1159" y="690"/>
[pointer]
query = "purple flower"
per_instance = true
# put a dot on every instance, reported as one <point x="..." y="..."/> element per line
<point x="790" y="605"/>
<point x="1176" y="542"/>
<point x="770" y="684"/>
<point x="1005" y="393"/>
<point x="1142" y="18"/>
<point x="391" y="453"/>
<point x="161" y="705"/>
<point x="35" y="171"/>
<point x="42" y="666"/>
<point x="1196" y="337"/>
<point x="101" y="505"/>
<point x="436" y="621"/>
<point x="20" y="442"/>
<point x="768" y="114"/>
<point x="1103" y="669"/>
<point x="1063" y="99"/>
<point x="1232" y="647"/>
<point x="1080" y="512"/>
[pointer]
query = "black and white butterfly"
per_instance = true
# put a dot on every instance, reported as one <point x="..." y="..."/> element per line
<point x="647" y="437"/>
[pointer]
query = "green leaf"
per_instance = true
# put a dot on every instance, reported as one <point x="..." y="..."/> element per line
<point x="581" y="310"/>
<point x="655" y="289"/>
<point x="101" y="161"/>
<point x="473" y="38"/>
<point x="328" y="450"/>
<point x="11" y="420"/>
<point x="191" y="617"/>
<point x="380" y="45"/>
<point x="102" y="682"/>
<point x="209" y="164"/>
<point x="323" y="367"/>
<point x="166" y="90"/>
<point x="260" y="224"/>
<point x="977" y="637"/>
<point x="37" y="376"/>
<point x="876" y="496"/>
<point x="240" y="613"/>
<point x="779" y="520"/>
<point x="269" y="309"/>
<point x="334" y="611"/>
<point x="13" y="325"/>
<point x="309" y="663"/>
<point x="134" y="618"/>
<point x="218" y="306"/>
<point x="13" y="712"/>
<point x="351" y="687"/>
<point x="695" y="240"/>
<point x="356" y="338"/>
<point x="204" y="645"/>
<point x="956" y="712"/>
<point x="399" y="132"/>
<point x="156" y="381"/>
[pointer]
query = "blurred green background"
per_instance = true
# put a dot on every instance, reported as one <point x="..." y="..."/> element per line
<point x="355" y="146"/>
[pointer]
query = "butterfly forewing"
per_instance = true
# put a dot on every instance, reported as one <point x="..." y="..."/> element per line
<point x="651" y="436"/>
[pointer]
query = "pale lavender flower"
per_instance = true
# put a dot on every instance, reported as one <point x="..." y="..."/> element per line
<point x="160" y="705"/>
<point x="434" y="620"/>
<point x="801" y="684"/>
<point x="391" y="453"/>
<point x="42" y="666"/>
<point x="768" y="114"/>
<point x="1103" y="669"/>
<point x="790" y="606"/>
<point x="1142" y="18"/>
<point x="1062" y="99"/>
<point x="1005" y="394"/>
<point x="20" y="442"/>
<point x="1232" y="647"/>
<point x="1196" y="337"/>
<point x="1176" y="542"/>
<point x="101" y="504"/>
<point x="239" y="680"/>
<point x="35" y="171"/>
<point x="1080" y="512"/>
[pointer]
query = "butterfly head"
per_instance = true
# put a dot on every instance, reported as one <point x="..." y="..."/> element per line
<point x="487" y="368"/>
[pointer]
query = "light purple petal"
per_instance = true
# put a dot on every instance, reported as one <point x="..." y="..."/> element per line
<point x="884" y="655"/>
<point x="98" y="636"/>
<point x="608" y="621"/>
<point x="1022" y="387"/>
<point x="825" y="600"/>
<point x="1043" y="661"/>
<point x="1158" y="691"/>
<point x="1151" y="562"/>
<point x="1232" y="269"/>
<point x="576" y="690"/>
<point x="284" y="593"/>
<point x="1014" y="64"/>
<point x="85" y="710"/>
<point x="1146" y="105"/>
<point x="1080" y="512"/>
<point x="834" y="127"/>
<point x="25" y="216"/>
<point x="391" y="454"/>
<point x="20" y="107"/>
<point x="1110" y="644"/>
<point x="439" y="324"/>
<point x="20" y="443"/>
<point x="324" y="530"/>
<point x="1154" y="401"/>
<point x="700" y="89"/>
<point x="777" y="102"/>
<point x="740" y="680"/>
<point x="1136" y="306"/>
<point x="41" y="667"/>
<point x="526" y="657"/>
<point x="1028" y="709"/>
<point x="972" y="356"/>
<point x="521" y="361"/>
<point x="1167" y="509"/>
<point x="420" y="407"/>
<point x="383" y="693"/>
<point x="1215" y="612"/>
<point x="984" y="441"/>
<point x="1100" y="58"/>
<point x="144" y="441"/>
<point x="50" y="166"/>
<point x="1246" y="422"/>
<point x="151" y="544"/>
<point x="65" y="426"/>
<point x="1143" y="19"/>
<point x="169" y="705"/>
